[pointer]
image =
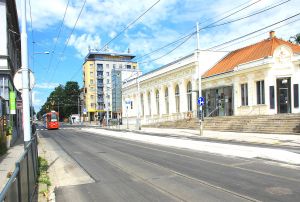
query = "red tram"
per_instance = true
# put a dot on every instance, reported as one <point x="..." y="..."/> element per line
<point x="50" y="120"/>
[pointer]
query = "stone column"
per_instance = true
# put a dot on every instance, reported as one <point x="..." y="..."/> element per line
<point x="162" y="103"/>
<point x="236" y="95"/>
<point x="153" y="102"/>
<point x="172" y="104"/>
<point x="183" y="96"/>
<point x="251" y="90"/>
<point x="146" y="104"/>
<point x="194" y="94"/>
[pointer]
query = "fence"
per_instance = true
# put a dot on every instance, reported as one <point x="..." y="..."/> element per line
<point x="21" y="185"/>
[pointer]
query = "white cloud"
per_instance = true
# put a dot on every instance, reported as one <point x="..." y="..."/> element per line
<point x="46" y="85"/>
<point x="83" y="42"/>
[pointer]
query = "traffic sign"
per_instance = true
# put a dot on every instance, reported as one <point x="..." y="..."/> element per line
<point x="18" y="80"/>
<point x="201" y="101"/>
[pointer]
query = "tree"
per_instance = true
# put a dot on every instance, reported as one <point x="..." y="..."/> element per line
<point x="64" y="99"/>
<point x="295" y="39"/>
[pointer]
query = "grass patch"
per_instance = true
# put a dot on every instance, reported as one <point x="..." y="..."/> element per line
<point x="42" y="171"/>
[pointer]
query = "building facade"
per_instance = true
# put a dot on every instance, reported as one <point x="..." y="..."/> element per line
<point x="10" y="62"/>
<point x="103" y="73"/>
<point x="260" y="79"/>
<point x="167" y="93"/>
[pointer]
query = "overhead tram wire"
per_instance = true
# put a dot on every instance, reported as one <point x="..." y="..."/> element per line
<point x="253" y="14"/>
<point x="57" y="37"/>
<point x="229" y="40"/>
<point x="128" y="26"/>
<point x="232" y="40"/>
<point x="193" y="33"/>
<point x="258" y="35"/>
<point x="167" y="52"/>
<point x="66" y="44"/>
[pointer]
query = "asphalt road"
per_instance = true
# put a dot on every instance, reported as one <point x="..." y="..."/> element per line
<point x="131" y="171"/>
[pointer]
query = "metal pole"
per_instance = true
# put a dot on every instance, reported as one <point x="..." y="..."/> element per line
<point x="25" y="77"/>
<point x="107" y="116"/>
<point x="138" y="124"/>
<point x="199" y="76"/>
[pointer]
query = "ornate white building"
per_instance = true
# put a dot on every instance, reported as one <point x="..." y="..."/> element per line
<point x="167" y="93"/>
<point x="260" y="79"/>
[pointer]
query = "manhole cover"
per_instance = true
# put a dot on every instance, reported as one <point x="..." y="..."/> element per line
<point x="279" y="191"/>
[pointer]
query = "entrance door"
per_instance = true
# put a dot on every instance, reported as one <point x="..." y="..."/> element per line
<point x="284" y="95"/>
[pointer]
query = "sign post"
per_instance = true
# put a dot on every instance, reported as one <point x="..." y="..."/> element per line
<point x="201" y="103"/>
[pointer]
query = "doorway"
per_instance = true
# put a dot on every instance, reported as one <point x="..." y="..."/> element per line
<point x="284" y="95"/>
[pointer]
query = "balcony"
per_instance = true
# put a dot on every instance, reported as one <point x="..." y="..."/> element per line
<point x="99" y="76"/>
<point x="100" y="92"/>
<point x="100" y="85"/>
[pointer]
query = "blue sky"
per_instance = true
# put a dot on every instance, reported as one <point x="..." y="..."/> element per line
<point x="167" y="21"/>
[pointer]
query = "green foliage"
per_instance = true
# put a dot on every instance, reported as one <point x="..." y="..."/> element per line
<point x="295" y="39"/>
<point x="63" y="99"/>
<point x="42" y="171"/>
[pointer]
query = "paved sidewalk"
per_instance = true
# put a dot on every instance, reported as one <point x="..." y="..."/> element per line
<point x="255" y="138"/>
<point x="8" y="160"/>
<point x="179" y="138"/>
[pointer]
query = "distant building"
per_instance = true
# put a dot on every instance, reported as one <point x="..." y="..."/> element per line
<point x="103" y="74"/>
<point x="10" y="62"/>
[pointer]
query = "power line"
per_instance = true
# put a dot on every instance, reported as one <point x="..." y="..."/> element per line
<point x="253" y="14"/>
<point x="57" y="36"/>
<point x="66" y="44"/>
<point x="169" y="51"/>
<point x="130" y="24"/>
<point x="258" y="35"/>
<point x="232" y="40"/>
<point x="188" y="35"/>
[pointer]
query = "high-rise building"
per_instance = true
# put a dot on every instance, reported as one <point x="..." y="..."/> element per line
<point x="103" y="75"/>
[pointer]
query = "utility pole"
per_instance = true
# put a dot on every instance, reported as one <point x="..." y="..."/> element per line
<point x="107" y="110"/>
<point x="25" y="77"/>
<point x="199" y="76"/>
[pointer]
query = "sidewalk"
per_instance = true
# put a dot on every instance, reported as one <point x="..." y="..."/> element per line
<point x="188" y="139"/>
<point x="239" y="137"/>
<point x="8" y="160"/>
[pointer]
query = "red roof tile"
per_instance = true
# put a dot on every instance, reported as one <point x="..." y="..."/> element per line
<point x="247" y="54"/>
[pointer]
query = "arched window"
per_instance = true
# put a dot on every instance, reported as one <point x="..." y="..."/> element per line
<point x="149" y="102"/>
<point x="167" y="100"/>
<point x="177" y="98"/>
<point x="189" y="96"/>
<point x="157" y="101"/>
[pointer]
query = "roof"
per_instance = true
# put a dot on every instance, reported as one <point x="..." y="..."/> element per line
<point x="250" y="53"/>
<point x="109" y="54"/>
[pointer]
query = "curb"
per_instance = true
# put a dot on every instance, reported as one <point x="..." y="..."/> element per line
<point x="42" y="192"/>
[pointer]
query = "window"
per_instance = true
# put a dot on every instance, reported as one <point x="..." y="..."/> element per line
<point x="99" y="67"/>
<point x="260" y="92"/>
<point x="149" y="103"/>
<point x="189" y="96"/>
<point x="177" y="97"/>
<point x="272" y="97"/>
<point x="107" y="73"/>
<point x="296" y="95"/>
<point x="128" y="66"/>
<point x="92" y="105"/>
<point x="157" y="101"/>
<point x="114" y="66"/>
<point x="91" y="74"/>
<point x="107" y="66"/>
<point x="120" y="66"/>
<point x="167" y="100"/>
<point x="244" y="94"/>
<point x="107" y="81"/>
<point x="91" y="81"/>
<point x="92" y="97"/>
<point x="91" y="66"/>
